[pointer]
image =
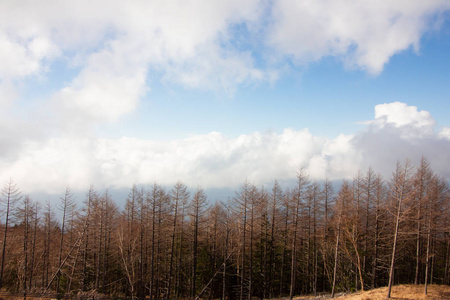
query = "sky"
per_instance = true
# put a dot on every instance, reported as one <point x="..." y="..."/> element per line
<point x="116" y="93"/>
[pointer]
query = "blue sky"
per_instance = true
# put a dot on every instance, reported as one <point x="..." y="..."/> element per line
<point x="213" y="93"/>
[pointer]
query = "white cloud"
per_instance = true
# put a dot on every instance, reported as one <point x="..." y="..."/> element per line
<point x="445" y="133"/>
<point x="8" y="94"/>
<point x="364" y="34"/>
<point x="411" y="122"/>
<point x="215" y="160"/>
<point x="400" y="114"/>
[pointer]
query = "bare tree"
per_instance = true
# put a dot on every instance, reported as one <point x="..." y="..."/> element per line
<point x="437" y="196"/>
<point x="420" y="180"/>
<point x="35" y="216"/>
<point x="400" y="192"/>
<point x="198" y="206"/>
<point x="49" y="226"/>
<point x="368" y="191"/>
<point x="91" y="198"/>
<point x="287" y="210"/>
<point x="127" y="247"/>
<point x="9" y="197"/>
<point x="298" y="195"/>
<point x="228" y="228"/>
<point x="380" y="197"/>
<point x="327" y="194"/>
<point x="66" y="204"/>
<point x="242" y="200"/>
<point x="23" y="215"/>
<point x="178" y="195"/>
<point x="343" y="198"/>
<point x="276" y="200"/>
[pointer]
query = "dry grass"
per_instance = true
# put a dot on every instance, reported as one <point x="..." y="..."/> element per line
<point x="404" y="292"/>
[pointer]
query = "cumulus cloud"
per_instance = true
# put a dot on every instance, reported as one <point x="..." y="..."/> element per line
<point x="362" y="34"/>
<point x="400" y="114"/>
<point x="215" y="161"/>
<point x="411" y="122"/>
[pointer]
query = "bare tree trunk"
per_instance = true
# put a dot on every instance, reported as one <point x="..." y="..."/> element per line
<point x="180" y="256"/>
<point x="264" y="238"/>
<point x="4" y="242"/>
<point x="25" y="244"/>
<point x="152" y="272"/>
<point x="336" y="248"/>
<point x="194" y="249"/>
<point x="277" y="194"/>
<point x="447" y="258"/>
<point x="90" y="198"/>
<point x="427" y="263"/>
<point x="178" y="192"/>
<point x="243" y="252"/>
<point x="307" y="284"/>
<point x="416" y="280"/>
<point x="336" y="251"/>
<point x="198" y="204"/>
<point x="391" y="269"/>
<point x="11" y="194"/>
<point x="302" y="182"/>
<point x="142" y="215"/>
<point x="33" y="249"/>
<point x="293" y="261"/>
<point x="106" y="241"/>
<point x="327" y="195"/>
<point x="430" y="222"/>
<point x="379" y="195"/>
<point x="224" y="275"/>
<point x="243" y="197"/>
<point x="368" y="185"/>
<point x="283" y="257"/>
<point x="316" y="189"/>
<point x="46" y="254"/>
<point x="252" y="207"/>
<point x="399" y="190"/>
<point x="433" y="246"/>
<point x="158" y="243"/>
<point x="66" y="201"/>
<point x="356" y="230"/>
<point x="100" y="246"/>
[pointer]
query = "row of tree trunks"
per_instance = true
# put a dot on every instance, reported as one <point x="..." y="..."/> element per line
<point x="170" y="244"/>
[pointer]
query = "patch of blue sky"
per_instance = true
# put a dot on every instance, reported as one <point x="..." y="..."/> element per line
<point x="325" y="96"/>
<point x="35" y="89"/>
<point x="343" y="96"/>
<point x="243" y="37"/>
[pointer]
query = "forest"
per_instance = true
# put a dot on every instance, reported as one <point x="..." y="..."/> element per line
<point x="265" y="242"/>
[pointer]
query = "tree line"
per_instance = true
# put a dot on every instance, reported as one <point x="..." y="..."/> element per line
<point x="266" y="242"/>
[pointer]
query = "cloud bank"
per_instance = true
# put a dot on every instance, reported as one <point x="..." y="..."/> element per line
<point x="397" y="132"/>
